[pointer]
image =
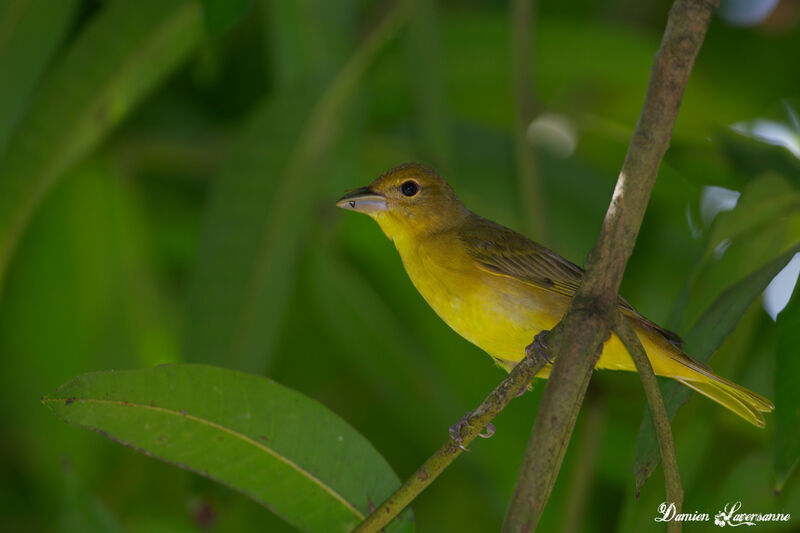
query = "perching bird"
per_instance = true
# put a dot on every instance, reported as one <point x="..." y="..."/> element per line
<point x="498" y="289"/>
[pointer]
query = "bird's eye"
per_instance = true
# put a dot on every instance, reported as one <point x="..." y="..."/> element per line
<point x="409" y="188"/>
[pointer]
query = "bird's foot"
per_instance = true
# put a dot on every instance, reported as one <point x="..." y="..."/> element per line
<point x="539" y="346"/>
<point x="455" y="430"/>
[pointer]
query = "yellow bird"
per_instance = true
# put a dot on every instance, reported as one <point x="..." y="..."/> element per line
<point x="498" y="289"/>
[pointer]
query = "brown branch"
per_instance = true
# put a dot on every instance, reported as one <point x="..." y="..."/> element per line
<point x="672" y="478"/>
<point x="578" y="338"/>
<point x="507" y="390"/>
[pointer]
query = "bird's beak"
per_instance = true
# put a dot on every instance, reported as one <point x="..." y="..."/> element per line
<point x="363" y="200"/>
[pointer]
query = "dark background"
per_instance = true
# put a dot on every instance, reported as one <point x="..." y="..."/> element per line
<point x="183" y="210"/>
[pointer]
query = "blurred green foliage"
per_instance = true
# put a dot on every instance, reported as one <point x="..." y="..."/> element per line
<point x="167" y="177"/>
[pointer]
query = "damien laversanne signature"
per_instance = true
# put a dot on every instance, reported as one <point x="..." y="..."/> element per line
<point x="728" y="516"/>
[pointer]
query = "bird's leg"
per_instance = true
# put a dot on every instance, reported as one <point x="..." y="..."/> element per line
<point x="539" y="346"/>
<point x="455" y="430"/>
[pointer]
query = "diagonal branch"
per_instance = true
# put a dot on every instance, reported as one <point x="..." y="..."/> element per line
<point x="578" y="338"/>
<point x="672" y="478"/>
<point x="507" y="390"/>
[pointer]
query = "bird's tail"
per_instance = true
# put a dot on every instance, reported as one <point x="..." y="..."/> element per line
<point x="741" y="401"/>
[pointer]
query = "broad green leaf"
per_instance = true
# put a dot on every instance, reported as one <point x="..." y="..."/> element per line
<point x="122" y="55"/>
<point x="259" y="214"/>
<point x="764" y="225"/>
<point x="787" y="392"/>
<point x="749" y="156"/>
<point x="764" y="199"/>
<point x="720" y="319"/>
<point x="29" y="35"/>
<point x="222" y="15"/>
<point x="707" y="335"/>
<point x="275" y="445"/>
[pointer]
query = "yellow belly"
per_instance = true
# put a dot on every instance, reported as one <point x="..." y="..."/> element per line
<point x="502" y="315"/>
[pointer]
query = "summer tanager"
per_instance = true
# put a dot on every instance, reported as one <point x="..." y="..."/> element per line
<point x="498" y="289"/>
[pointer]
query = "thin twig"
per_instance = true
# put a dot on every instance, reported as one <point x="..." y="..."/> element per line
<point x="579" y="336"/>
<point x="672" y="477"/>
<point x="507" y="390"/>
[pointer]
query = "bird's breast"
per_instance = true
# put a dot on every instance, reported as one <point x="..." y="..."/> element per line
<point x="498" y="314"/>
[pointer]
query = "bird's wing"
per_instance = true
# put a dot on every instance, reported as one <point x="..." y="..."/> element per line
<point x="504" y="252"/>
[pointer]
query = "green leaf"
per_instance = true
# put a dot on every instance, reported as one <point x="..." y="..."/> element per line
<point x="703" y="340"/>
<point x="259" y="214"/>
<point x="764" y="225"/>
<point x="280" y="448"/>
<point x="122" y="55"/>
<point x="764" y="200"/>
<point x="751" y="156"/>
<point x="222" y="15"/>
<point x="29" y="35"/>
<point x="720" y="319"/>
<point x="787" y="392"/>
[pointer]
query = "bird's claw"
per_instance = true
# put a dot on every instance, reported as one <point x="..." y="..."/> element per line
<point x="455" y="430"/>
<point x="539" y="346"/>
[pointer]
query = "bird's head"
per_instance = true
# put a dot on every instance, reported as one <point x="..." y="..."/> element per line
<point x="408" y="201"/>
